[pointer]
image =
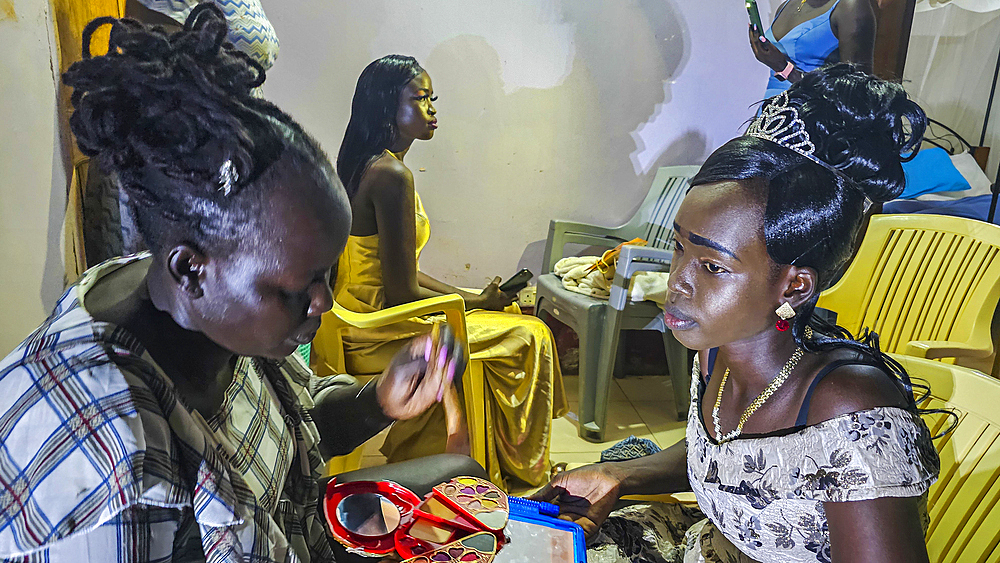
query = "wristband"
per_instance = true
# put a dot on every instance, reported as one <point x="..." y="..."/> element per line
<point x="785" y="73"/>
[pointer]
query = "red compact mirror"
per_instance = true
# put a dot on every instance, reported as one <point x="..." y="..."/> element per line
<point x="378" y="517"/>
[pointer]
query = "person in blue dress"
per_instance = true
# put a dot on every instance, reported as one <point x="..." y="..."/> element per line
<point x="807" y="34"/>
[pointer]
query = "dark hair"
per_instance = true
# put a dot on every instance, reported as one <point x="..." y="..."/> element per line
<point x="372" y="127"/>
<point x="861" y="127"/>
<point x="163" y="114"/>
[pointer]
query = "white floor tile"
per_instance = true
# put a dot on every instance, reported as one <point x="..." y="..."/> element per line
<point x="662" y="422"/>
<point x="623" y="421"/>
<point x="647" y="388"/>
<point x="372" y="461"/>
<point x="373" y="445"/>
<point x="572" y="383"/>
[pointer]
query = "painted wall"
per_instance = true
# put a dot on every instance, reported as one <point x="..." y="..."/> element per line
<point x="32" y="179"/>
<point x="548" y="108"/>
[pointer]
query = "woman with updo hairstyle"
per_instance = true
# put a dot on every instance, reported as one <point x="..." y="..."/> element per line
<point x="161" y="413"/>
<point x="802" y="443"/>
<point x="393" y="107"/>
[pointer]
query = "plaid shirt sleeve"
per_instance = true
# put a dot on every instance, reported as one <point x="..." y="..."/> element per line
<point x="139" y="534"/>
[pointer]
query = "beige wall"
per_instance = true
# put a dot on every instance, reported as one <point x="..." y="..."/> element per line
<point x="32" y="180"/>
<point x="548" y="108"/>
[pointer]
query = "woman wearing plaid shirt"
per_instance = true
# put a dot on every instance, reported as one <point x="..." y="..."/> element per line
<point x="159" y="414"/>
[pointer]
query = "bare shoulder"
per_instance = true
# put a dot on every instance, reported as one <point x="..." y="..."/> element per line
<point x="851" y="388"/>
<point x="387" y="176"/>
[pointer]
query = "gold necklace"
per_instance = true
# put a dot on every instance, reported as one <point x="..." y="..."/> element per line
<point x="777" y="382"/>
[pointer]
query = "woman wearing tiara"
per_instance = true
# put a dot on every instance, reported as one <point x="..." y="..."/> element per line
<point x="802" y="443"/>
<point x="807" y="34"/>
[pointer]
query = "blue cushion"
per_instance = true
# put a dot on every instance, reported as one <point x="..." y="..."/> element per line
<point x="932" y="171"/>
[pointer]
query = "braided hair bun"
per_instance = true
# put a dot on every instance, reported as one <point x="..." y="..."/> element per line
<point x="174" y="119"/>
<point x="861" y="125"/>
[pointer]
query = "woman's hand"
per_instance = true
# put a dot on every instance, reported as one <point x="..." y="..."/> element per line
<point x="585" y="495"/>
<point x="766" y="52"/>
<point x="491" y="298"/>
<point x="420" y="375"/>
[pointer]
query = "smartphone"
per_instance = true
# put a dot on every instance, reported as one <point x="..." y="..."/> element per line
<point x="517" y="282"/>
<point x="755" y="16"/>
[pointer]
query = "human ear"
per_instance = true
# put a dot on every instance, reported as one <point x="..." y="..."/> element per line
<point x="800" y="284"/>
<point x="186" y="265"/>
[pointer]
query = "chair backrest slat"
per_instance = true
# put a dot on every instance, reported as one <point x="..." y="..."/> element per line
<point x="964" y="504"/>
<point x="657" y="221"/>
<point x="654" y="220"/>
<point x="918" y="278"/>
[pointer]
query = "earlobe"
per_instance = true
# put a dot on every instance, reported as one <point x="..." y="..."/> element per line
<point x="187" y="268"/>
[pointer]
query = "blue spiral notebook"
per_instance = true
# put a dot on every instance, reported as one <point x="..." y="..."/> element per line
<point x="537" y="535"/>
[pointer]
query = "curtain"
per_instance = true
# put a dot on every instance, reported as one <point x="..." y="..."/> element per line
<point x="950" y="65"/>
<point x="71" y="16"/>
<point x="980" y="6"/>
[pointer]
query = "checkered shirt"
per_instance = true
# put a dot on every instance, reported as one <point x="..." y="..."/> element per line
<point x="101" y="462"/>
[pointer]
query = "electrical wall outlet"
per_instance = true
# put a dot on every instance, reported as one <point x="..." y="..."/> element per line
<point x="526" y="297"/>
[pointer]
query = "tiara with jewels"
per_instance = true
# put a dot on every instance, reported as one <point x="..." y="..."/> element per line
<point x="780" y="123"/>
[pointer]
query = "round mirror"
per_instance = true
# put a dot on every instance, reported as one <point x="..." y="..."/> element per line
<point x="368" y="514"/>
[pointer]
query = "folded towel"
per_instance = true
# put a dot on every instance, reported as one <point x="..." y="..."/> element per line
<point x="578" y="275"/>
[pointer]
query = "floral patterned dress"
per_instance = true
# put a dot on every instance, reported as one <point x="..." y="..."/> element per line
<point x="763" y="495"/>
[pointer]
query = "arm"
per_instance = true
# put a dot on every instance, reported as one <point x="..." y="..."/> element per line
<point x="854" y="24"/>
<point x="346" y="417"/>
<point x="884" y="529"/>
<point x="588" y="494"/>
<point x="438" y="286"/>
<point x="395" y="211"/>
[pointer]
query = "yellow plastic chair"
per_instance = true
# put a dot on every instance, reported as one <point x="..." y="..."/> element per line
<point x="928" y="284"/>
<point x="328" y="359"/>
<point x="964" y="504"/>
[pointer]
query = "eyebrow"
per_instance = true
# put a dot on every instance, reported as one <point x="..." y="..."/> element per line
<point x="702" y="241"/>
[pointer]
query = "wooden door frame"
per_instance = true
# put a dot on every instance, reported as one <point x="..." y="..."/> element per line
<point x="895" y="19"/>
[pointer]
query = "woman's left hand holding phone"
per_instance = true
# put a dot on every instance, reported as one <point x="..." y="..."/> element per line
<point x="766" y="52"/>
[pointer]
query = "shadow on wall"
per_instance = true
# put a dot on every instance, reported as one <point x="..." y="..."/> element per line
<point x="689" y="147"/>
<point x="584" y="131"/>
<point x="639" y="56"/>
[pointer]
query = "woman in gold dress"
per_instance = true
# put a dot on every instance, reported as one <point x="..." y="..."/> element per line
<point x="392" y="107"/>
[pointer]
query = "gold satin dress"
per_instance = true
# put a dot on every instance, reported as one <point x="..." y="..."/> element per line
<point x="517" y="351"/>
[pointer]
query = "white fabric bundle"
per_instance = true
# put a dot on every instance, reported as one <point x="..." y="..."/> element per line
<point x="573" y="271"/>
<point x="645" y="286"/>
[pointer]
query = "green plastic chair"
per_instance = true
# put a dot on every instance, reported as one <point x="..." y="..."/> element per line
<point x="598" y="323"/>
